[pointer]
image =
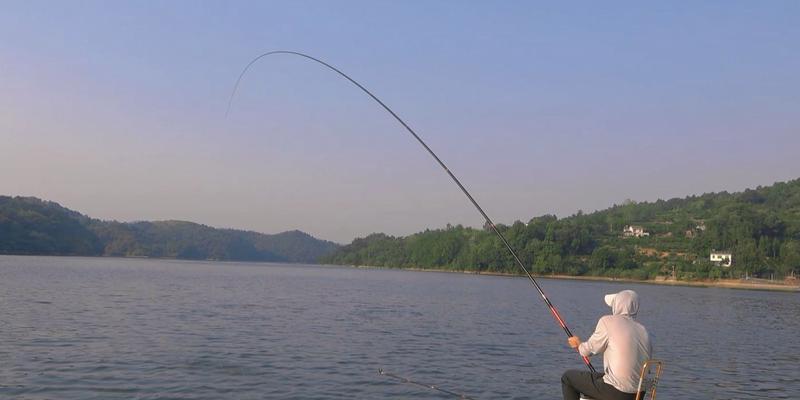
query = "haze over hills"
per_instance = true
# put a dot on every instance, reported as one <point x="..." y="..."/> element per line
<point x="32" y="226"/>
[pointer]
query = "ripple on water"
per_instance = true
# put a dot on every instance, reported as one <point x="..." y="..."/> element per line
<point x="148" y="329"/>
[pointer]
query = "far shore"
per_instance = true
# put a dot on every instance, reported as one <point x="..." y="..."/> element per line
<point x="755" y="284"/>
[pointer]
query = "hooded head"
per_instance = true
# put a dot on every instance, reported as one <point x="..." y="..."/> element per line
<point x="625" y="302"/>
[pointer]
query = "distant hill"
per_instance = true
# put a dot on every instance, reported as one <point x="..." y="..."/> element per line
<point x="32" y="226"/>
<point x="759" y="227"/>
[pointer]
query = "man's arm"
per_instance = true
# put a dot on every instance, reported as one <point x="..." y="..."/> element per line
<point x="595" y="345"/>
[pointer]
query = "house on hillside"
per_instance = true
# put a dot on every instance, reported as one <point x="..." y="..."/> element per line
<point x="722" y="258"/>
<point x="691" y="233"/>
<point x="634" y="231"/>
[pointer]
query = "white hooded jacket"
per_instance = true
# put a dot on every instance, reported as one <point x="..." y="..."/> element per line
<point x="625" y="343"/>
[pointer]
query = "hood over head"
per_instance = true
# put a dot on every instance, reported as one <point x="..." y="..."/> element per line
<point x="625" y="302"/>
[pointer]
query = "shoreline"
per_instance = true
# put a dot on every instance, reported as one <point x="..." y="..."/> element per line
<point x="725" y="284"/>
<point x="756" y="284"/>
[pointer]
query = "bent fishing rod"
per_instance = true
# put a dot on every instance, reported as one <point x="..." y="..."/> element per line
<point x="489" y="222"/>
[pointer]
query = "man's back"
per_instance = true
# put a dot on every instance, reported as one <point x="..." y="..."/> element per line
<point x="627" y="348"/>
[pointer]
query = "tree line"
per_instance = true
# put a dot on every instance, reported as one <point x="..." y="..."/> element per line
<point x="32" y="226"/>
<point x="759" y="227"/>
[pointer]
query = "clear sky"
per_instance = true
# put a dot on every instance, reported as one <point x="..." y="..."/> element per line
<point x="116" y="109"/>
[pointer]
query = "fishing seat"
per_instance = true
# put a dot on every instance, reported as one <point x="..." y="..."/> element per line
<point x="648" y="380"/>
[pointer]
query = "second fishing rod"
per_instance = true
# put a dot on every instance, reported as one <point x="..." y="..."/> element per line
<point x="488" y="220"/>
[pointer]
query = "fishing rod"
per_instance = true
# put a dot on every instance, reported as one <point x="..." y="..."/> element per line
<point x="489" y="222"/>
<point x="425" y="385"/>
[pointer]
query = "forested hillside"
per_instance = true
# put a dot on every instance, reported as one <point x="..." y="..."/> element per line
<point x="32" y="226"/>
<point x="759" y="227"/>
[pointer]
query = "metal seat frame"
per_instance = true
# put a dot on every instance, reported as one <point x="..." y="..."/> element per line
<point x="651" y="385"/>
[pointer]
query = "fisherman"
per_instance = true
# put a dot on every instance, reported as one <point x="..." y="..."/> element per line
<point x="625" y="345"/>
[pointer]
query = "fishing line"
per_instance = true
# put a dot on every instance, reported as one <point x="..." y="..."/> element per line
<point x="425" y="385"/>
<point x="489" y="222"/>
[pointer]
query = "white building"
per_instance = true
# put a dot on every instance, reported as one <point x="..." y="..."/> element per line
<point x="634" y="231"/>
<point x="721" y="258"/>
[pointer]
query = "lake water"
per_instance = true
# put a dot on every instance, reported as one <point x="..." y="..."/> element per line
<point x="104" y="328"/>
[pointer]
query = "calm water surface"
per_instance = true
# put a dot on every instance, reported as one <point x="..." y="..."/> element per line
<point x="100" y="328"/>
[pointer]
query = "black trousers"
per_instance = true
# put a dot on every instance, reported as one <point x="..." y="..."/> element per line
<point x="574" y="382"/>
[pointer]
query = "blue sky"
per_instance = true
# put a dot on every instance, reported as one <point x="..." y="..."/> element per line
<point x="116" y="109"/>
